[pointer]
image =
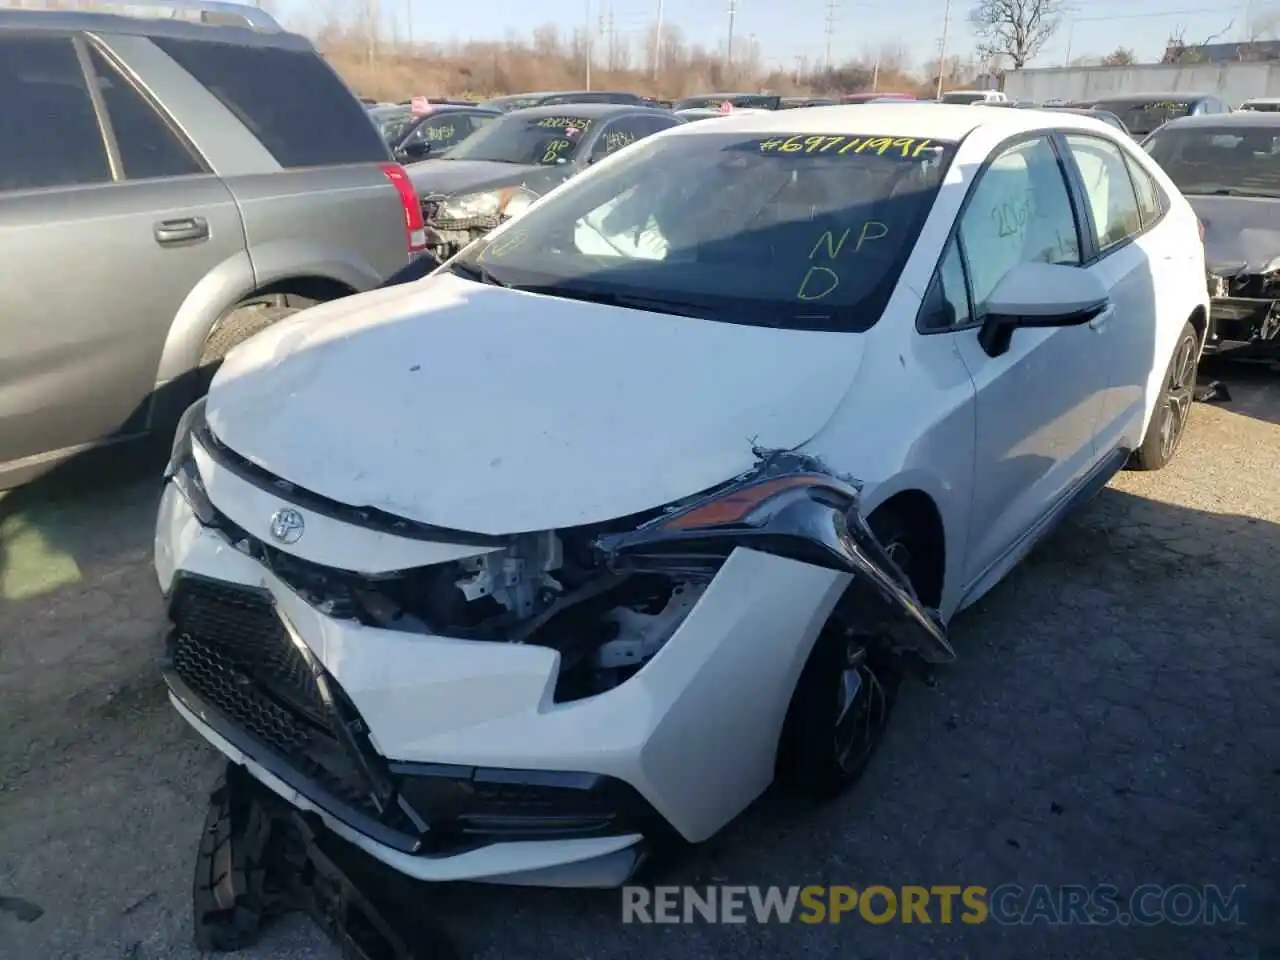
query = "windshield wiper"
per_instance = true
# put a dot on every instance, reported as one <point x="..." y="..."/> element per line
<point x="631" y="301"/>
<point x="473" y="271"/>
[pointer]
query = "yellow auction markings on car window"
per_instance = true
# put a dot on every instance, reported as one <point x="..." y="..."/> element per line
<point x="580" y="122"/>
<point x="839" y="145"/>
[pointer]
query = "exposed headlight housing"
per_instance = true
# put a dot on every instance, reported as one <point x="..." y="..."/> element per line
<point x="507" y="202"/>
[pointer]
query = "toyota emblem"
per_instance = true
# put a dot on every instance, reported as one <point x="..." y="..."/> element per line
<point x="287" y="526"/>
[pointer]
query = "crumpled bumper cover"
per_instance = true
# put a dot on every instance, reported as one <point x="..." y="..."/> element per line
<point x="231" y="660"/>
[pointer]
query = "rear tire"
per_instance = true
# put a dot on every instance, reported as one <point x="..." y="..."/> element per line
<point x="1173" y="406"/>
<point x="846" y="692"/>
<point x="238" y="326"/>
<point x="234" y="329"/>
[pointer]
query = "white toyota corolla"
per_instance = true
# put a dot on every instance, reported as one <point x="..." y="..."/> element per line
<point x="643" y="500"/>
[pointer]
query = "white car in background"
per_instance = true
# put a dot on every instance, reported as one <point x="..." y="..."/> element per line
<point x="646" y="498"/>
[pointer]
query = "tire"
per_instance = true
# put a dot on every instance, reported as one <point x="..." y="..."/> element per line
<point x="238" y="326"/>
<point x="819" y="755"/>
<point x="1173" y="406"/>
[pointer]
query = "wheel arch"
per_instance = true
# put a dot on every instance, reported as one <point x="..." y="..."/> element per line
<point x="919" y="511"/>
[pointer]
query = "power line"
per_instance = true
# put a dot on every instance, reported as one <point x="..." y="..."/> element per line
<point x="1146" y="16"/>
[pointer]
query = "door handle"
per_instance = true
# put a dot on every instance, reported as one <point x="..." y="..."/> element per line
<point x="182" y="230"/>
<point x="1101" y="320"/>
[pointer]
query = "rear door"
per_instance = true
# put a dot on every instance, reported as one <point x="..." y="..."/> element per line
<point x="107" y="221"/>
<point x="1136" y="267"/>
<point x="310" y="182"/>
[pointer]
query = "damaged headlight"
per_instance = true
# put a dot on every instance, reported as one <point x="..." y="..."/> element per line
<point x="181" y="468"/>
<point x="788" y="509"/>
<point x="507" y="202"/>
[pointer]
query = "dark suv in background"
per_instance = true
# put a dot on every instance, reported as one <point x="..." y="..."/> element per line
<point x="167" y="189"/>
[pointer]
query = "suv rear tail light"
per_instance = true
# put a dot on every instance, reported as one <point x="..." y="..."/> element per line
<point x="415" y="233"/>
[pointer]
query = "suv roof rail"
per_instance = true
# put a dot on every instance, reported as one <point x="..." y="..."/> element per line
<point x="220" y="13"/>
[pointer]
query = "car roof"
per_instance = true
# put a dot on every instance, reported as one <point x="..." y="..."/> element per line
<point x="1247" y="118"/>
<point x="1262" y="100"/>
<point x="940" y="121"/>
<point x="1154" y="98"/>
<point x="588" y="111"/>
<point x="456" y="107"/>
<point x="151" y="26"/>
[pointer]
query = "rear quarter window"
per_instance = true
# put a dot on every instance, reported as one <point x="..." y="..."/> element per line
<point x="289" y="99"/>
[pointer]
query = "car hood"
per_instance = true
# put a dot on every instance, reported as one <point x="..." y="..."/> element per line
<point x="1241" y="234"/>
<point x="454" y="177"/>
<point x="495" y="411"/>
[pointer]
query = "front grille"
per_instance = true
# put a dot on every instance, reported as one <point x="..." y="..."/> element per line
<point x="232" y="650"/>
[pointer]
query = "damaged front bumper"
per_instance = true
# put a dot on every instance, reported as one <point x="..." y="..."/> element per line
<point x="1244" y="310"/>
<point x="455" y="758"/>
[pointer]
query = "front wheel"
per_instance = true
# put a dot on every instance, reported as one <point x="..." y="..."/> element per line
<point x="1173" y="406"/>
<point x="845" y="695"/>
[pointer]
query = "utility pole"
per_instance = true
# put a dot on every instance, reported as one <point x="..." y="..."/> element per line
<point x="830" y="29"/>
<point x="733" y="10"/>
<point x="875" y="76"/>
<point x="586" y="41"/>
<point x="613" y="41"/>
<point x="408" y="20"/>
<point x="657" y="43"/>
<point x="942" y="47"/>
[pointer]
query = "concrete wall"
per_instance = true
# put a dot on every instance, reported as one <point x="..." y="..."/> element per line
<point x="1233" y="82"/>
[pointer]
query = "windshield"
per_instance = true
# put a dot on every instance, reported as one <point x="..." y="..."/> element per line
<point x="507" y="104"/>
<point x="759" y="102"/>
<point x="963" y="97"/>
<point x="393" y="124"/>
<point x="804" y="232"/>
<point x="1141" y="117"/>
<point x="1243" y="161"/>
<point x="524" y="139"/>
<point x="1262" y="106"/>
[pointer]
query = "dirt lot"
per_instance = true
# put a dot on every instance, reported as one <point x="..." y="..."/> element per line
<point x="1112" y="718"/>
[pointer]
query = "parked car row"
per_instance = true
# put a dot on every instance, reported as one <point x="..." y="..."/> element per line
<point x="693" y="437"/>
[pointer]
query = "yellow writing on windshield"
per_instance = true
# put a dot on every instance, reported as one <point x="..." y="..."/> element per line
<point x="820" y="282"/>
<point x="564" y="122"/>
<point x="905" y="147"/>
<point x="555" y="150"/>
<point x="439" y="133"/>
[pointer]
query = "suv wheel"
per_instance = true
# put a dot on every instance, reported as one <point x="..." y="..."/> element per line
<point x="238" y="326"/>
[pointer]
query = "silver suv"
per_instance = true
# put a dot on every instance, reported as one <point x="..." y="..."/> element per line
<point x="168" y="187"/>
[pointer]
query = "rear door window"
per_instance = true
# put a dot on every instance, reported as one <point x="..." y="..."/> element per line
<point x="49" y="132"/>
<point x="289" y="99"/>
<point x="1149" y="202"/>
<point x="148" y="146"/>
<point x="1109" y="189"/>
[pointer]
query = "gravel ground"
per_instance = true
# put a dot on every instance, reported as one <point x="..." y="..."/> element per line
<point x="1112" y="718"/>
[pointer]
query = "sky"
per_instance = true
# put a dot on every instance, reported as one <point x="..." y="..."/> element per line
<point x="792" y="29"/>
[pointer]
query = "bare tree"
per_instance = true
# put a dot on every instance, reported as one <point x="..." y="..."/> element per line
<point x="1177" y="50"/>
<point x="1119" y="57"/>
<point x="1016" y="29"/>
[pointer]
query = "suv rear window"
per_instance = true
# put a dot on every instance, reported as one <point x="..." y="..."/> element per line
<point x="290" y="99"/>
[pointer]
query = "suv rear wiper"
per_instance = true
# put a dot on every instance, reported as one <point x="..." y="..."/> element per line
<point x="631" y="301"/>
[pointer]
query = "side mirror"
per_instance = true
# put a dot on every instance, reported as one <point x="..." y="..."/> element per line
<point x="417" y="150"/>
<point x="1040" y="295"/>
